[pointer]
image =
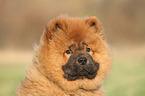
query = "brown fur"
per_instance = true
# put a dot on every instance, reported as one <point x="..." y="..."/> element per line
<point x="45" y="76"/>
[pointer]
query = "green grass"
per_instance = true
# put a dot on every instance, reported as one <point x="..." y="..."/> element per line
<point x="10" y="77"/>
<point x="127" y="77"/>
<point x="126" y="81"/>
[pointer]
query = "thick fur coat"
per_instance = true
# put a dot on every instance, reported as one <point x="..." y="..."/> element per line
<point x="45" y="77"/>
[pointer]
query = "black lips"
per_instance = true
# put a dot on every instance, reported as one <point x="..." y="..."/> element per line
<point x="80" y="66"/>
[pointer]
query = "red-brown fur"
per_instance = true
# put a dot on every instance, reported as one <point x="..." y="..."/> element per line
<point x="45" y="76"/>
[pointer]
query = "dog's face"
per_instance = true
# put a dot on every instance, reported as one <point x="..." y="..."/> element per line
<point x="73" y="53"/>
<point x="80" y="64"/>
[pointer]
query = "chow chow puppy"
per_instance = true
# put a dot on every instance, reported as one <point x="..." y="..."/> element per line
<point x="71" y="60"/>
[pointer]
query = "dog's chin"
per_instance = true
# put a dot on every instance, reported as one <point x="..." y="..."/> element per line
<point x="79" y="76"/>
<point x="83" y="74"/>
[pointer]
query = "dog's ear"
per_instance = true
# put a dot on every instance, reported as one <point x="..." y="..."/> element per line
<point x="51" y="28"/>
<point x="93" y="22"/>
<point x="56" y="25"/>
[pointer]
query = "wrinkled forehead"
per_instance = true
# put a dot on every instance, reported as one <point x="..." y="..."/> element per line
<point x="78" y="46"/>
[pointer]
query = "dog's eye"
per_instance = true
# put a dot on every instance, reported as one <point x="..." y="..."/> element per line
<point x="88" y="49"/>
<point x="68" y="52"/>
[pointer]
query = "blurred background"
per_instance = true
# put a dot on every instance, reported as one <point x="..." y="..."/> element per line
<point x="23" y="21"/>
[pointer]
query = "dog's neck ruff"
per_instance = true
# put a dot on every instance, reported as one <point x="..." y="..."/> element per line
<point x="68" y="92"/>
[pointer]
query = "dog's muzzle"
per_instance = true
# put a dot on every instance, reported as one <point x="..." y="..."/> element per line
<point x="80" y="66"/>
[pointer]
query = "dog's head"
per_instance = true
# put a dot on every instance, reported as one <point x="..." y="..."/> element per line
<point x="73" y="53"/>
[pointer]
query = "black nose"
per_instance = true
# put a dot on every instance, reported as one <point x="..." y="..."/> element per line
<point x="82" y="60"/>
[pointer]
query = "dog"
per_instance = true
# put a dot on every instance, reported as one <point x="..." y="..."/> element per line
<point x="72" y="59"/>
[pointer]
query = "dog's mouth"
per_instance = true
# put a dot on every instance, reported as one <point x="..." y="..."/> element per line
<point x="83" y="73"/>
